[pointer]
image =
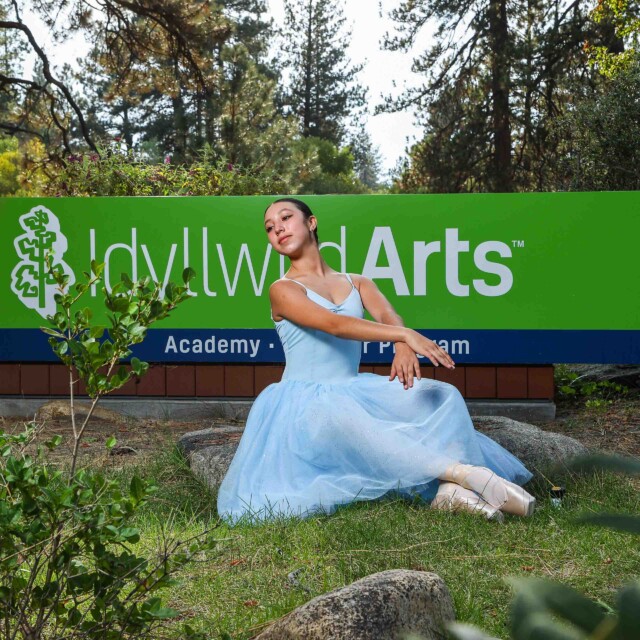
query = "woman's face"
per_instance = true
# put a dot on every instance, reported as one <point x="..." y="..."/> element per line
<point x="287" y="230"/>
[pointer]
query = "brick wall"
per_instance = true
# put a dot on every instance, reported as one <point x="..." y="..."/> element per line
<point x="247" y="381"/>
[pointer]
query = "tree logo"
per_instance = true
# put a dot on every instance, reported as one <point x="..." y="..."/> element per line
<point x="29" y="279"/>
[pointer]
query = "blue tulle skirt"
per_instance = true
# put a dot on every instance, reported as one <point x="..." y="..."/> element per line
<point x="310" y="447"/>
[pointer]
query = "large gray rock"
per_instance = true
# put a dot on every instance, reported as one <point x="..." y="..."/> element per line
<point x="626" y="374"/>
<point x="537" y="449"/>
<point x="210" y="452"/>
<point x="391" y="605"/>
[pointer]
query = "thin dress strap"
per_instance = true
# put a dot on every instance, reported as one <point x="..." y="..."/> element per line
<point x="292" y="280"/>
<point x="349" y="279"/>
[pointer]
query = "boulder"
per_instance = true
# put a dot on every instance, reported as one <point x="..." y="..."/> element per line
<point x="210" y="452"/>
<point x="537" y="449"/>
<point x="391" y="605"/>
<point x="626" y="374"/>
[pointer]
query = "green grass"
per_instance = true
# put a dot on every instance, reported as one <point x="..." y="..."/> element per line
<point x="244" y="584"/>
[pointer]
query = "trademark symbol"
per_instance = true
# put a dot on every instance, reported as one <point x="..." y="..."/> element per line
<point x="517" y="243"/>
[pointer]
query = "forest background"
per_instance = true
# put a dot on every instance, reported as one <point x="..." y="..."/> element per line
<point x="203" y="97"/>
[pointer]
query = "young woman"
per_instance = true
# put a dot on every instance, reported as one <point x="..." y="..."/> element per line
<point x="327" y="435"/>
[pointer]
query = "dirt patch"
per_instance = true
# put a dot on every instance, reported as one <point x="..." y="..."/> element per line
<point x="137" y="438"/>
<point x="614" y="427"/>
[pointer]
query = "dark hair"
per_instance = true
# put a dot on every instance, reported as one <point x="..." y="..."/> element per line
<point x="303" y="207"/>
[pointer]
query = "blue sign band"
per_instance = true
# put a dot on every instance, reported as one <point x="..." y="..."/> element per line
<point x="510" y="346"/>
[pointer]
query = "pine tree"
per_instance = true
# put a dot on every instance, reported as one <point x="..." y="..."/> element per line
<point x="367" y="163"/>
<point x="495" y="77"/>
<point x="322" y="92"/>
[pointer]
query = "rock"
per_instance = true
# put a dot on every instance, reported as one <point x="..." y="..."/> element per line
<point x="537" y="449"/>
<point x="626" y="374"/>
<point x="391" y="605"/>
<point x="210" y="452"/>
<point x="56" y="409"/>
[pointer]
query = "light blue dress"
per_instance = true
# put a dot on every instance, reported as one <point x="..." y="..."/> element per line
<point x="327" y="435"/>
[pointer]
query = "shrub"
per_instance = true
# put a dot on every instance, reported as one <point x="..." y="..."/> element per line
<point x="68" y="568"/>
<point x="111" y="172"/>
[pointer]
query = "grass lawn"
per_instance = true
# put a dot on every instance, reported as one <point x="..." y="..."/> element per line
<point x="245" y="584"/>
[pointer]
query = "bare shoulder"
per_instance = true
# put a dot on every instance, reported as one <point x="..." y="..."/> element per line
<point x="278" y="287"/>
<point x="362" y="281"/>
<point x="282" y="288"/>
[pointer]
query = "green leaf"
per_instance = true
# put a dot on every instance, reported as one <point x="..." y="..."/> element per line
<point x="135" y="365"/>
<point x="130" y="534"/>
<point x="617" y="521"/>
<point x="97" y="332"/>
<point x="628" y="600"/>
<point x="97" y="267"/>
<point x="54" y="442"/>
<point x="137" y="488"/>
<point x="188" y="274"/>
<point x="539" y="626"/>
<point x="127" y="280"/>
<point x="111" y="442"/>
<point x="51" y="332"/>
<point x="561" y="600"/>
<point x="119" y="304"/>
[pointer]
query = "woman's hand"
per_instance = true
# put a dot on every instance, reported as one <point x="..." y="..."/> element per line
<point x="428" y="348"/>
<point x="405" y="365"/>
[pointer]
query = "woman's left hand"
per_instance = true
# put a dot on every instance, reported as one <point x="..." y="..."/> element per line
<point x="405" y="365"/>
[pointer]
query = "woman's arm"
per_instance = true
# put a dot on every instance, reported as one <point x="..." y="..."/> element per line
<point x="290" y="301"/>
<point x="405" y="363"/>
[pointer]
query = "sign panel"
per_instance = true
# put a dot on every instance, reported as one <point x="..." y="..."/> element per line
<point x="492" y="278"/>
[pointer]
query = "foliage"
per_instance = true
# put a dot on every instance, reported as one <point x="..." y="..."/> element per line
<point x="332" y="173"/>
<point x="83" y="346"/>
<point x="367" y="162"/>
<point x="546" y="609"/>
<point x="322" y="92"/>
<point x="598" y="138"/>
<point x="68" y="568"/>
<point x="124" y="173"/>
<point x="47" y="107"/>
<point x="494" y="77"/>
<point x="623" y="16"/>
<point x="9" y="165"/>
<point x="570" y="384"/>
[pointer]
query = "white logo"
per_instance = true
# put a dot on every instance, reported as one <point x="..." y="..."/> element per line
<point x="29" y="279"/>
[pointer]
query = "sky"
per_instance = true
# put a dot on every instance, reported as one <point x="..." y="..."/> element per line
<point x="389" y="131"/>
<point x="368" y="21"/>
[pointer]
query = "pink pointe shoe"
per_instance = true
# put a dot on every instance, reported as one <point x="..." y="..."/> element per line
<point x="453" y="497"/>
<point x="497" y="491"/>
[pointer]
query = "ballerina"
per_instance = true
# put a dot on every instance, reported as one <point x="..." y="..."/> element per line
<point x="327" y="435"/>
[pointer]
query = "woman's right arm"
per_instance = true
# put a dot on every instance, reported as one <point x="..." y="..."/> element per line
<point x="291" y="302"/>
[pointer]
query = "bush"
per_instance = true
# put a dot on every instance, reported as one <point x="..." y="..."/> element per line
<point x="111" y="172"/>
<point x="67" y="564"/>
<point x="571" y="385"/>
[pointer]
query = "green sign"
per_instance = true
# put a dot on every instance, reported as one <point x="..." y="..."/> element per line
<point x="544" y="261"/>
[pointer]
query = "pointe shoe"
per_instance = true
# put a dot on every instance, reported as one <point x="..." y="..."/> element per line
<point x="497" y="491"/>
<point x="453" y="497"/>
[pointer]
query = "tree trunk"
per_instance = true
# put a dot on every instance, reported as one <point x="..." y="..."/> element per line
<point x="308" y="72"/>
<point x="179" y="123"/>
<point x="500" y="80"/>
